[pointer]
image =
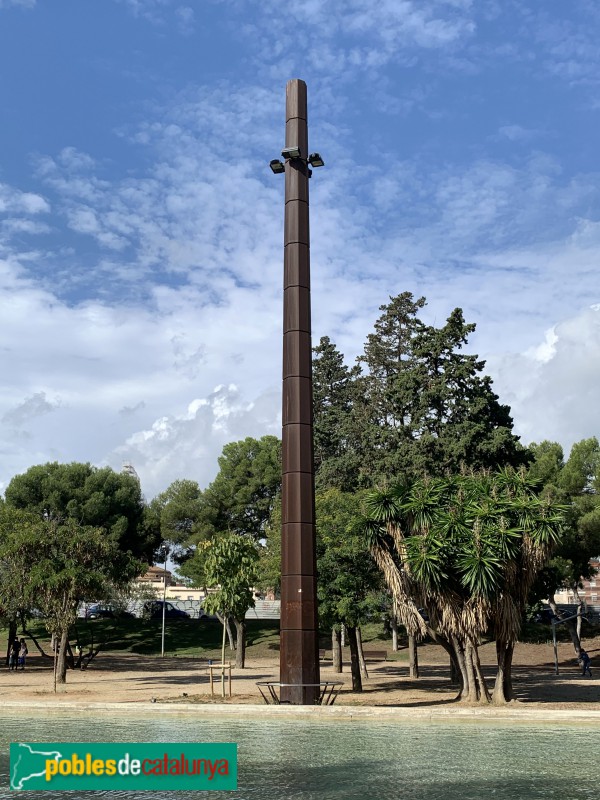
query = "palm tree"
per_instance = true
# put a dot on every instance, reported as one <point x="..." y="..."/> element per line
<point x="467" y="548"/>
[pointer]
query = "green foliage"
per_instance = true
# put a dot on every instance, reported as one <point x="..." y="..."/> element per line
<point x="423" y="406"/>
<point x="239" y="500"/>
<point x="333" y="391"/>
<point x="269" y="565"/>
<point x="574" y="484"/>
<point x="227" y="564"/>
<point x="547" y="462"/>
<point x="469" y="546"/>
<point x="90" y="496"/>
<point x="178" y="510"/>
<point x="349" y="587"/>
<point x="53" y="565"/>
<point x="419" y="406"/>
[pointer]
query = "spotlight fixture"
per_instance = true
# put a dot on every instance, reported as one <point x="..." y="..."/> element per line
<point x="315" y="160"/>
<point x="277" y="166"/>
<point x="291" y="152"/>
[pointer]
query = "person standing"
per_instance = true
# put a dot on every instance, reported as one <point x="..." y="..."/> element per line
<point x="585" y="663"/>
<point x="22" y="654"/>
<point x="13" y="657"/>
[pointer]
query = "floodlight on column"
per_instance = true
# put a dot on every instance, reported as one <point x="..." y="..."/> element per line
<point x="315" y="160"/>
<point x="291" y="152"/>
<point x="277" y="166"/>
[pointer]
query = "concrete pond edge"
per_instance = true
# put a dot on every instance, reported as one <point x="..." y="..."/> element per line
<point x="513" y="713"/>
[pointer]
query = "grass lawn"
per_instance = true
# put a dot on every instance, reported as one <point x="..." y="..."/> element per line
<point x="202" y="638"/>
<point x="190" y="637"/>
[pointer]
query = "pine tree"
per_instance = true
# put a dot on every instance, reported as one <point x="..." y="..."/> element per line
<point x="333" y="388"/>
<point x="423" y="406"/>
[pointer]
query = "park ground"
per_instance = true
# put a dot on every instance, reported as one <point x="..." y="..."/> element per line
<point x="129" y="668"/>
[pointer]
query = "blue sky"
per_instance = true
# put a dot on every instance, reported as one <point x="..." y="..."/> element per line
<point x="141" y="229"/>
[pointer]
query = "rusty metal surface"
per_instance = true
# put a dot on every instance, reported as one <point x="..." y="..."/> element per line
<point x="296" y="401"/>
<point x="297" y="451"/>
<point x="296" y="266"/>
<point x="299" y="651"/>
<point x="296" y="356"/>
<point x="296" y="309"/>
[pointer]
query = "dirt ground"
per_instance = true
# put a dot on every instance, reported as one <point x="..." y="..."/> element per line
<point x="131" y="678"/>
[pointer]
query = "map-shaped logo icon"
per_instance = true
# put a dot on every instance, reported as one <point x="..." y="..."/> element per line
<point x="27" y="764"/>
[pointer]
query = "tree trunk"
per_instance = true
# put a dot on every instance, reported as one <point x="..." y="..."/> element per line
<point x="336" y="649"/>
<point x="461" y="663"/>
<point x="12" y="635"/>
<point x="457" y="661"/>
<point x="61" y="661"/>
<point x="478" y="691"/>
<point x="354" y="662"/>
<point x="503" y="685"/>
<point x="472" y="687"/>
<point x="226" y="622"/>
<point x="455" y="676"/>
<point x="413" y="657"/>
<point x="230" y="634"/>
<point x="361" y="656"/>
<point x="579" y="616"/>
<point x="484" y="693"/>
<point x="240" y="644"/>
<point x="394" y="627"/>
<point x="40" y="649"/>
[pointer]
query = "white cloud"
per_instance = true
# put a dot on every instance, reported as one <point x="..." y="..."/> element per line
<point x="185" y="444"/>
<point x="555" y="396"/>
<point x="13" y="200"/>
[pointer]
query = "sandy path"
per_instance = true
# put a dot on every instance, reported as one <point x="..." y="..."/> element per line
<point x="129" y="678"/>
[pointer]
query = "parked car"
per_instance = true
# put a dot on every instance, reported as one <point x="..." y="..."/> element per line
<point x="153" y="609"/>
<point x="100" y="610"/>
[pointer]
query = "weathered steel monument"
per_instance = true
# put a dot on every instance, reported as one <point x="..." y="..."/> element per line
<point x="299" y="653"/>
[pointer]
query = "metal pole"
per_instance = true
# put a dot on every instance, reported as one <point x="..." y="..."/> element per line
<point x="555" y="647"/>
<point x="299" y="650"/>
<point x="162" y="646"/>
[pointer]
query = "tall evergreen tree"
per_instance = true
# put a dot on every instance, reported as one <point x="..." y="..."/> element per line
<point x="333" y="387"/>
<point x="422" y="405"/>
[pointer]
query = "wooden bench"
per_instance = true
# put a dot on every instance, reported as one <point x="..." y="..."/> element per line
<point x="375" y="655"/>
<point x="370" y="655"/>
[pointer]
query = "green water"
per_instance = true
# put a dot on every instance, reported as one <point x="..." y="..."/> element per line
<point x="289" y="759"/>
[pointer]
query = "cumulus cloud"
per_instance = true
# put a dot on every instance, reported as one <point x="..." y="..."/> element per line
<point x="553" y="389"/>
<point x="185" y="444"/>
<point x="13" y="200"/>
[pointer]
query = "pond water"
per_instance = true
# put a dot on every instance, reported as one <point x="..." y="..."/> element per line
<point x="291" y="759"/>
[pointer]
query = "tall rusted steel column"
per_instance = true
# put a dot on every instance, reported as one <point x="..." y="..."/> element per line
<point x="299" y="654"/>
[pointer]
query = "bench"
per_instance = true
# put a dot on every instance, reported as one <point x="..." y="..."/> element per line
<point x="322" y="655"/>
<point x="375" y="655"/>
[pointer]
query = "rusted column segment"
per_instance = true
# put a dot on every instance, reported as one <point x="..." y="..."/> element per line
<point x="299" y="655"/>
